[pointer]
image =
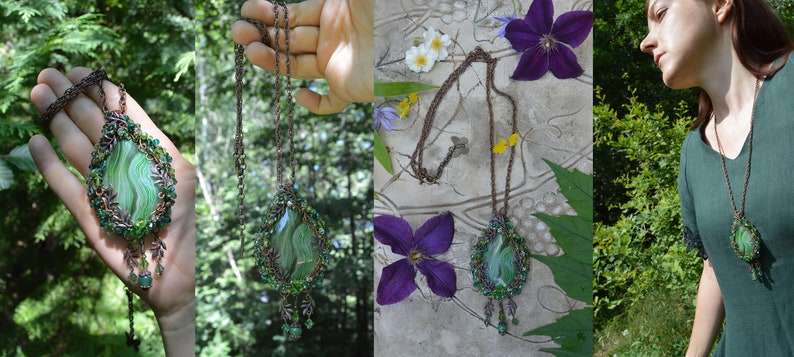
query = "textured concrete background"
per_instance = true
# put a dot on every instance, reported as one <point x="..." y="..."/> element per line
<point x="555" y="123"/>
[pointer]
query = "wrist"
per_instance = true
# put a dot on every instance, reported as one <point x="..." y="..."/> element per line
<point x="178" y="329"/>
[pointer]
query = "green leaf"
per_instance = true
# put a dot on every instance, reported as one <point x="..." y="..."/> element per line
<point x="6" y="176"/>
<point x="573" y="332"/>
<point x="393" y="89"/>
<point x="382" y="155"/>
<point x="573" y="270"/>
<point x="20" y="157"/>
<point x="577" y="187"/>
<point x="570" y="275"/>
<point x="184" y="64"/>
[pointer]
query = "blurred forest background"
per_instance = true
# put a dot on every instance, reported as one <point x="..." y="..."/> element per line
<point x="645" y="283"/>
<point x="56" y="295"/>
<point x="237" y="314"/>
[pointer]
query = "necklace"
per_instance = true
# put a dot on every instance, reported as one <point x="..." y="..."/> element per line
<point x="291" y="245"/>
<point x="745" y="239"/>
<point x="500" y="261"/>
<point x="130" y="185"/>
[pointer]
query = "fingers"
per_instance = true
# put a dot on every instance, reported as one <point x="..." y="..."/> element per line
<point x="134" y="111"/>
<point x="74" y="143"/>
<point x="320" y="104"/>
<point x="305" y="13"/>
<point x="303" y="39"/>
<point x="303" y="67"/>
<point x="83" y="111"/>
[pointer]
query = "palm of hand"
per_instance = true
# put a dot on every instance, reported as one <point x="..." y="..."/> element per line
<point x="77" y="129"/>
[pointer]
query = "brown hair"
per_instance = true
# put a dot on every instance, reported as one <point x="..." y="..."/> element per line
<point x="759" y="37"/>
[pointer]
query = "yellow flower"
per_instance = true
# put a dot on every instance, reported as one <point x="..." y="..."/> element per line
<point x="500" y="147"/>
<point x="413" y="97"/>
<point x="513" y="139"/>
<point x="403" y="108"/>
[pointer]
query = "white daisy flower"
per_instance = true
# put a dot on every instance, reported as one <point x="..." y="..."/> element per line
<point x="420" y="58"/>
<point x="437" y="42"/>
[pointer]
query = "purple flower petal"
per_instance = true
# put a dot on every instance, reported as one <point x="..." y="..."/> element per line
<point x="387" y="125"/>
<point x="384" y="116"/>
<point x="540" y="16"/>
<point x="532" y="65"/>
<point x="573" y="27"/>
<point x="394" y="232"/>
<point x="435" y="235"/>
<point x="396" y="282"/>
<point x="521" y="36"/>
<point x="563" y="63"/>
<point x="440" y="277"/>
<point x="505" y="20"/>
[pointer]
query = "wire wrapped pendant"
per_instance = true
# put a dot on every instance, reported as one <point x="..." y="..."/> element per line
<point x="499" y="266"/>
<point x="131" y="188"/>
<point x="746" y="243"/>
<point x="292" y="253"/>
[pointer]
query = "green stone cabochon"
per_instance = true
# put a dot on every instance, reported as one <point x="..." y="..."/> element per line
<point x="130" y="173"/>
<point x="293" y="239"/>
<point x="500" y="257"/>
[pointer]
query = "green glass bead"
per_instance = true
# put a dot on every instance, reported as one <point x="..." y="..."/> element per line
<point x="309" y="324"/>
<point x="502" y="328"/>
<point x="514" y="321"/>
<point x="285" y="328"/>
<point x="487" y="321"/>
<point x="145" y="282"/>
<point x="132" y="277"/>
<point x="295" y="333"/>
<point x="160" y="269"/>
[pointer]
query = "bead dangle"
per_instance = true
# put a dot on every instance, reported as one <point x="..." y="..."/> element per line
<point x="291" y="245"/>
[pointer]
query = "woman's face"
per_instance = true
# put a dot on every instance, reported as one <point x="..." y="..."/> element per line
<point x="681" y="36"/>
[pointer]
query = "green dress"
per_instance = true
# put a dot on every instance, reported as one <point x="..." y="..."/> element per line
<point x="759" y="314"/>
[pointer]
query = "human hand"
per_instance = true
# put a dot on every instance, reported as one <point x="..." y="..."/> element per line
<point x="331" y="39"/>
<point x="76" y="129"/>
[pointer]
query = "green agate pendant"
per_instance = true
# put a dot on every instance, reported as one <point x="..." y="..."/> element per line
<point x="499" y="266"/>
<point x="131" y="189"/>
<point x="746" y="243"/>
<point x="292" y="253"/>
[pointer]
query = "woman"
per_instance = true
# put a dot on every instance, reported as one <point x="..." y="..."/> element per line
<point x="736" y="52"/>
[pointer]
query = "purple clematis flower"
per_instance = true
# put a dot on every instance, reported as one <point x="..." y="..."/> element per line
<point x="545" y="45"/>
<point x="433" y="237"/>
<point x="384" y="116"/>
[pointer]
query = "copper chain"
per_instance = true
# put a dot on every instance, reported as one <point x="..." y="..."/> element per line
<point x="95" y="78"/>
<point x="239" y="146"/>
<point x="739" y="213"/>
<point x="417" y="158"/>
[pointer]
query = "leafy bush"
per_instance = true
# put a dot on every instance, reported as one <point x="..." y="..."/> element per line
<point x="643" y="250"/>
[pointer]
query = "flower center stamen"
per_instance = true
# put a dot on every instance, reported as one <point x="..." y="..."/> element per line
<point x="421" y="61"/>
<point x="415" y="257"/>
<point x="548" y="43"/>
<point x="436" y="44"/>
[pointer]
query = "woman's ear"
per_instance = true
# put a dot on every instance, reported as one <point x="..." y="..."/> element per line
<point x="723" y="9"/>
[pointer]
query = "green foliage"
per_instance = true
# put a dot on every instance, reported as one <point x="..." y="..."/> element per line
<point x="56" y="296"/>
<point x="236" y="313"/>
<point x="643" y="250"/>
<point x="657" y="325"/>
<point x="393" y="89"/>
<point x="573" y="269"/>
<point x="382" y="154"/>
